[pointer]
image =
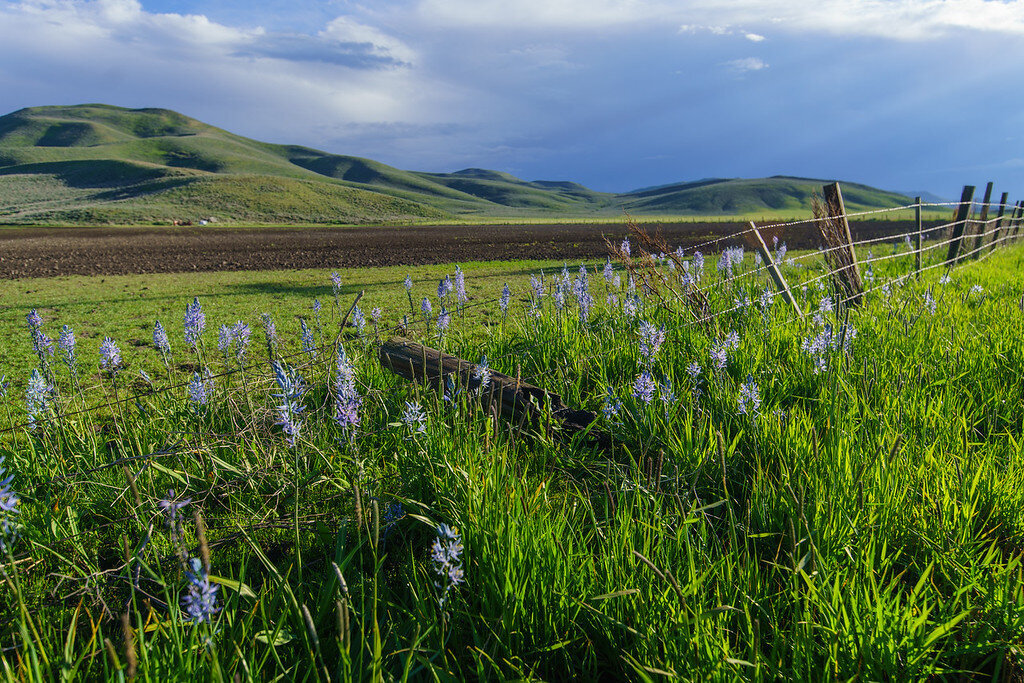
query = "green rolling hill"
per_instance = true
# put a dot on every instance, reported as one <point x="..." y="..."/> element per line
<point x="98" y="163"/>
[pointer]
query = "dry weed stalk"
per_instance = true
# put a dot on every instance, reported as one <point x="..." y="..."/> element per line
<point x="838" y="253"/>
<point x="643" y="268"/>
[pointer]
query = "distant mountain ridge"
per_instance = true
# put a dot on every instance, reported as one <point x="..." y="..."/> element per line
<point x="99" y="163"/>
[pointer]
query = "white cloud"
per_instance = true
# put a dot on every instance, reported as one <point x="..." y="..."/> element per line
<point x="746" y="64"/>
<point x="753" y="37"/>
<point x="896" y="19"/>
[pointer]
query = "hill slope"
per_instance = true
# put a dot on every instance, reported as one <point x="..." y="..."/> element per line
<point x="98" y="163"/>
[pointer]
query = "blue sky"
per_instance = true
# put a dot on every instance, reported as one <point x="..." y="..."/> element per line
<point x="615" y="94"/>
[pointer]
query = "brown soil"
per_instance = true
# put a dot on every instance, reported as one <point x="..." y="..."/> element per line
<point x="41" y="252"/>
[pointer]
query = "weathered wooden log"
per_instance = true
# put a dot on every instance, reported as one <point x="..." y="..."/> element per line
<point x="516" y="401"/>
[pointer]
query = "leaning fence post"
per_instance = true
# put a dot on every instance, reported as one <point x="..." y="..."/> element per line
<point x="917" y="219"/>
<point x="960" y="222"/>
<point x="999" y="220"/>
<point x="983" y="220"/>
<point x="773" y="269"/>
<point x="837" y="210"/>
<point x="1020" y="214"/>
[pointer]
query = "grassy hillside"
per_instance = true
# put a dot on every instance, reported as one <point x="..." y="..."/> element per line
<point x="99" y="163"/>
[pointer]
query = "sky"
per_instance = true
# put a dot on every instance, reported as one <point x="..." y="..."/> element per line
<point x="908" y="95"/>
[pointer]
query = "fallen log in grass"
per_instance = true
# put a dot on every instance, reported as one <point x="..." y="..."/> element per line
<point x="516" y="401"/>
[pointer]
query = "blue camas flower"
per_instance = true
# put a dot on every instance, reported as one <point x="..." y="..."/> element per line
<point x="414" y="418"/>
<point x="446" y="553"/>
<point x="37" y="397"/>
<point x="199" y="389"/>
<point x="200" y="599"/>
<point x="651" y="339"/>
<point x="290" y="400"/>
<point x="644" y="386"/>
<point x="160" y="340"/>
<point x="750" y="398"/>
<point x="8" y="509"/>
<point x="195" y="322"/>
<point x="346" y="397"/>
<point x="110" y="356"/>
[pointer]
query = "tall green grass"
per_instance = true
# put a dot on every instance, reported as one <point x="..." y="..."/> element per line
<point x="865" y="523"/>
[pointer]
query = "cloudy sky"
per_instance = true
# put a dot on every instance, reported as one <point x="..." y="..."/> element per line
<point x="616" y="94"/>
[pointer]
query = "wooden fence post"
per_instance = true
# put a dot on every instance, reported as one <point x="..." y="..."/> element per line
<point x="1016" y="221"/>
<point x="917" y="218"/>
<point x="837" y="209"/>
<point x="773" y="269"/>
<point x="983" y="224"/>
<point x="999" y="220"/>
<point x="963" y="210"/>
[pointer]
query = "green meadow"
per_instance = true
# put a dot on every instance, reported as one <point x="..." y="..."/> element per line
<point x="833" y="496"/>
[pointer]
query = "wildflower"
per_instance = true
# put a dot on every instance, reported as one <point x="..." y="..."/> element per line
<point x="820" y="347"/>
<point x="336" y="282"/>
<point x="37" y="397"/>
<point x="199" y="388"/>
<point x="171" y="507"/>
<point x="195" y="322"/>
<point x="443" y="320"/>
<point x="609" y="271"/>
<point x="269" y="334"/>
<point x="625" y="248"/>
<point x="765" y="300"/>
<point x="427" y="308"/>
<point x="358" y="319"/>
<point x="631" y="306"/>
<point x="42" y="345"/>
<point x="719" y="355"/>
<point x="665" y="391"/>
<point x="8" y="509"/>
<point x="317" y="307"/>
<point x="537" y="284"/>
<point x="200" y="600"/>
<point x="651" y="339"/>
<point x="290" y="407"/>
<point x="693" y="370"/>
<point x="750" y="398"/>
<point x="110" y="356"/>
<point x="617" y="282"/>
<point x="643" y="387"/>
<point x="698" y="266"/>
<point x="945" y="279"/>
<point x="34" y="320"/>
<point x="506" y="295"/>
<point x="559" y="297"/>
<point x="977" y="289"/>
<point x="4" y="386"/>
<point x="460" y="287"/>
<point x="408" y="283"/>
<point x="732" y="340"/>
<point x="929" y="302"/>
<point x="780" y="252"/>
<point x="414" y="418"/>
<point x="66" y="343"/>
<point x="482" y="373"/>
<point x="346" y="397"/>
<point x="444" y="288"/>
<point x="825" y="305"/>
<point x="240" y="334"/>
<point x="160" y="340"/>
<point x="446" y="552"/>
<point x="375" y="315"/>
<point x="308" y="343"/>
<point x="224" y="340"/>
<point x="758" y="260"/>
<point x="612" y="405"/>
